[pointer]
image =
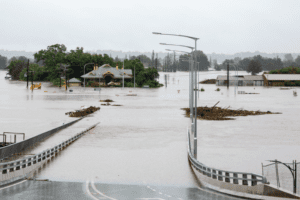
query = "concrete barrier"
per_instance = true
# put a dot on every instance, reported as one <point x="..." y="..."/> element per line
<point x="25" y="144"/>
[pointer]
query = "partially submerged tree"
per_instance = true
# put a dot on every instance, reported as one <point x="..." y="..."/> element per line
<point x="254" y="67"/>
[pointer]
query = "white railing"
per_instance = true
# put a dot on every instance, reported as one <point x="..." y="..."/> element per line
<point x="223" y="175"/>
<point x="21" y="168"/>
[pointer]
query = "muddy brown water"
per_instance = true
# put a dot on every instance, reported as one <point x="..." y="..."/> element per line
<point x="144" y="141"/>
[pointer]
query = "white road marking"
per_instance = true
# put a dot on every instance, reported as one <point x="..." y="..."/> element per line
<point x="88" y="190"/>
<point x="13" y="184"/>
<point x="93" y="185"/>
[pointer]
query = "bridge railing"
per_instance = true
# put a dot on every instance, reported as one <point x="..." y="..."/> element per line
<point x="22" y="167"/>
<point x="8" y="151"/>
<point x="241" y="178"/>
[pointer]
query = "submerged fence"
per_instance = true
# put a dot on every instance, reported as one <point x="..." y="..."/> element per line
<point x="25" y="167"/>
<point x="23" y="145"/>
<point x="242" y="178"/>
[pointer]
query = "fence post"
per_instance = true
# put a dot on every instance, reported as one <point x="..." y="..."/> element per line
<point x="295" y="176"/>
<point x="245" y="182"/>
<point x="253" y="182"/>
<point x="209" y="172"/>
<point x="277" y="177"/>
<point x="214" y="176"/>
<point x="235" y="180"/>
<point x="220" y="178"/>
<point x="227" y="180"/>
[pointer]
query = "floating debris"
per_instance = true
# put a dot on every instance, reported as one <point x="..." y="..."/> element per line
<point x="218" y="113"/>
<point x="208" y="81"/>
<point x="243" y="92"/>
<point x="295" y="93"/>
<point x="202" y="90"/>
<point x="218" y="89"/>
<point x="282" y="88"/>
<point x="83" y="112"/>
<point x="117" y="105"/>
<point x="106" y="100"/>
<point x="131" y="95"/>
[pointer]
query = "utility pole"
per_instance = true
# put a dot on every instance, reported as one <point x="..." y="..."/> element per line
<point x="123" y="73"/>
<point x="27" y="72"/>
<point x="31" y="80"/>
<point x="227" y="75"/>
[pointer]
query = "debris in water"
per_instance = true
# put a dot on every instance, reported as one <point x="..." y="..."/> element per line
<point x="106" y="100"/>
<point x="83" y="112"/>
<point x="208" y="81"/>
<point x="218" y="113"/>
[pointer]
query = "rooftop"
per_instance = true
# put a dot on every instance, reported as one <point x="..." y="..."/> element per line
<point x="279" y="77"/>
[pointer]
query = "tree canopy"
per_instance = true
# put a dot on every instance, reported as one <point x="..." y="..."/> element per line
<point x="254" y="67"/>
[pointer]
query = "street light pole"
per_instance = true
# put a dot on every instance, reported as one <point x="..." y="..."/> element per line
<point x="195" y="139"/>
<point x="192" y="84"/>
<point x="123" y="73"/>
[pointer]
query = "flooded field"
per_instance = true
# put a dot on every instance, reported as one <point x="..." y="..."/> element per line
<point x="144" y="140"/>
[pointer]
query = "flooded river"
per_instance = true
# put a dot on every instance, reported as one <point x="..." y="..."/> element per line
<point x="144" y="141"/>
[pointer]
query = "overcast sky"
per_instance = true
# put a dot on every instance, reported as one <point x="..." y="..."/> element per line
<point x="223" y="26"/>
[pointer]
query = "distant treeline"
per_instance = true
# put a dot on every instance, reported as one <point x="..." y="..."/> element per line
<point x="266" y="63"/>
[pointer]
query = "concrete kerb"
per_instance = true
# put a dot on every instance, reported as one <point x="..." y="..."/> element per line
<point x="26" y="167"/>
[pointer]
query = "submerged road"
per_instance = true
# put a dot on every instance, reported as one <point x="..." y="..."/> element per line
<point x="36" y="190"/>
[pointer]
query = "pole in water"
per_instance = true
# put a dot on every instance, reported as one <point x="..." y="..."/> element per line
<point x="227" y="75"/>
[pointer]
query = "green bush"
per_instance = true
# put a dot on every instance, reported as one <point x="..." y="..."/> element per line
<point x="56" y="82"/>
<point x="287" y="83"/>
<point x="273" y="72"/>
<point x="89" y="83"/>
<point x="297" y="83"/>
<point x="151" y="83"/>
<point x="128" y="84"/>
<point x="284" y="70"/>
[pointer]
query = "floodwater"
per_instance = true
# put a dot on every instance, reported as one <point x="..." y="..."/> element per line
<point x="144" y="141"/>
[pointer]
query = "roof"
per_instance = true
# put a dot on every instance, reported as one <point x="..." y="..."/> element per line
<point x="107" y="69"/>
<point x="280" y="77"/>
<point x="242" y="77"/>
<point x="74" y="80"/>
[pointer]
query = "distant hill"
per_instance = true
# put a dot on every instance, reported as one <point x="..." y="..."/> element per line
<point x="121" y="54"/>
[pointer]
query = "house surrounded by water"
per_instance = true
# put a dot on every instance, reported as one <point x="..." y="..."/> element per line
<point x="106" y="74"/>
<point x="241" y="80"/>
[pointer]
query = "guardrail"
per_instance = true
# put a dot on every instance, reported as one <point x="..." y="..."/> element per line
<point x="223" y="175"/>
<point x="25" y="144"/>
<point x="24" y="167"/>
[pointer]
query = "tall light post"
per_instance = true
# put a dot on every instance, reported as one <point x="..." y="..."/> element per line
<point x="195" y="124"/>
<point x="84" y="70"/>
